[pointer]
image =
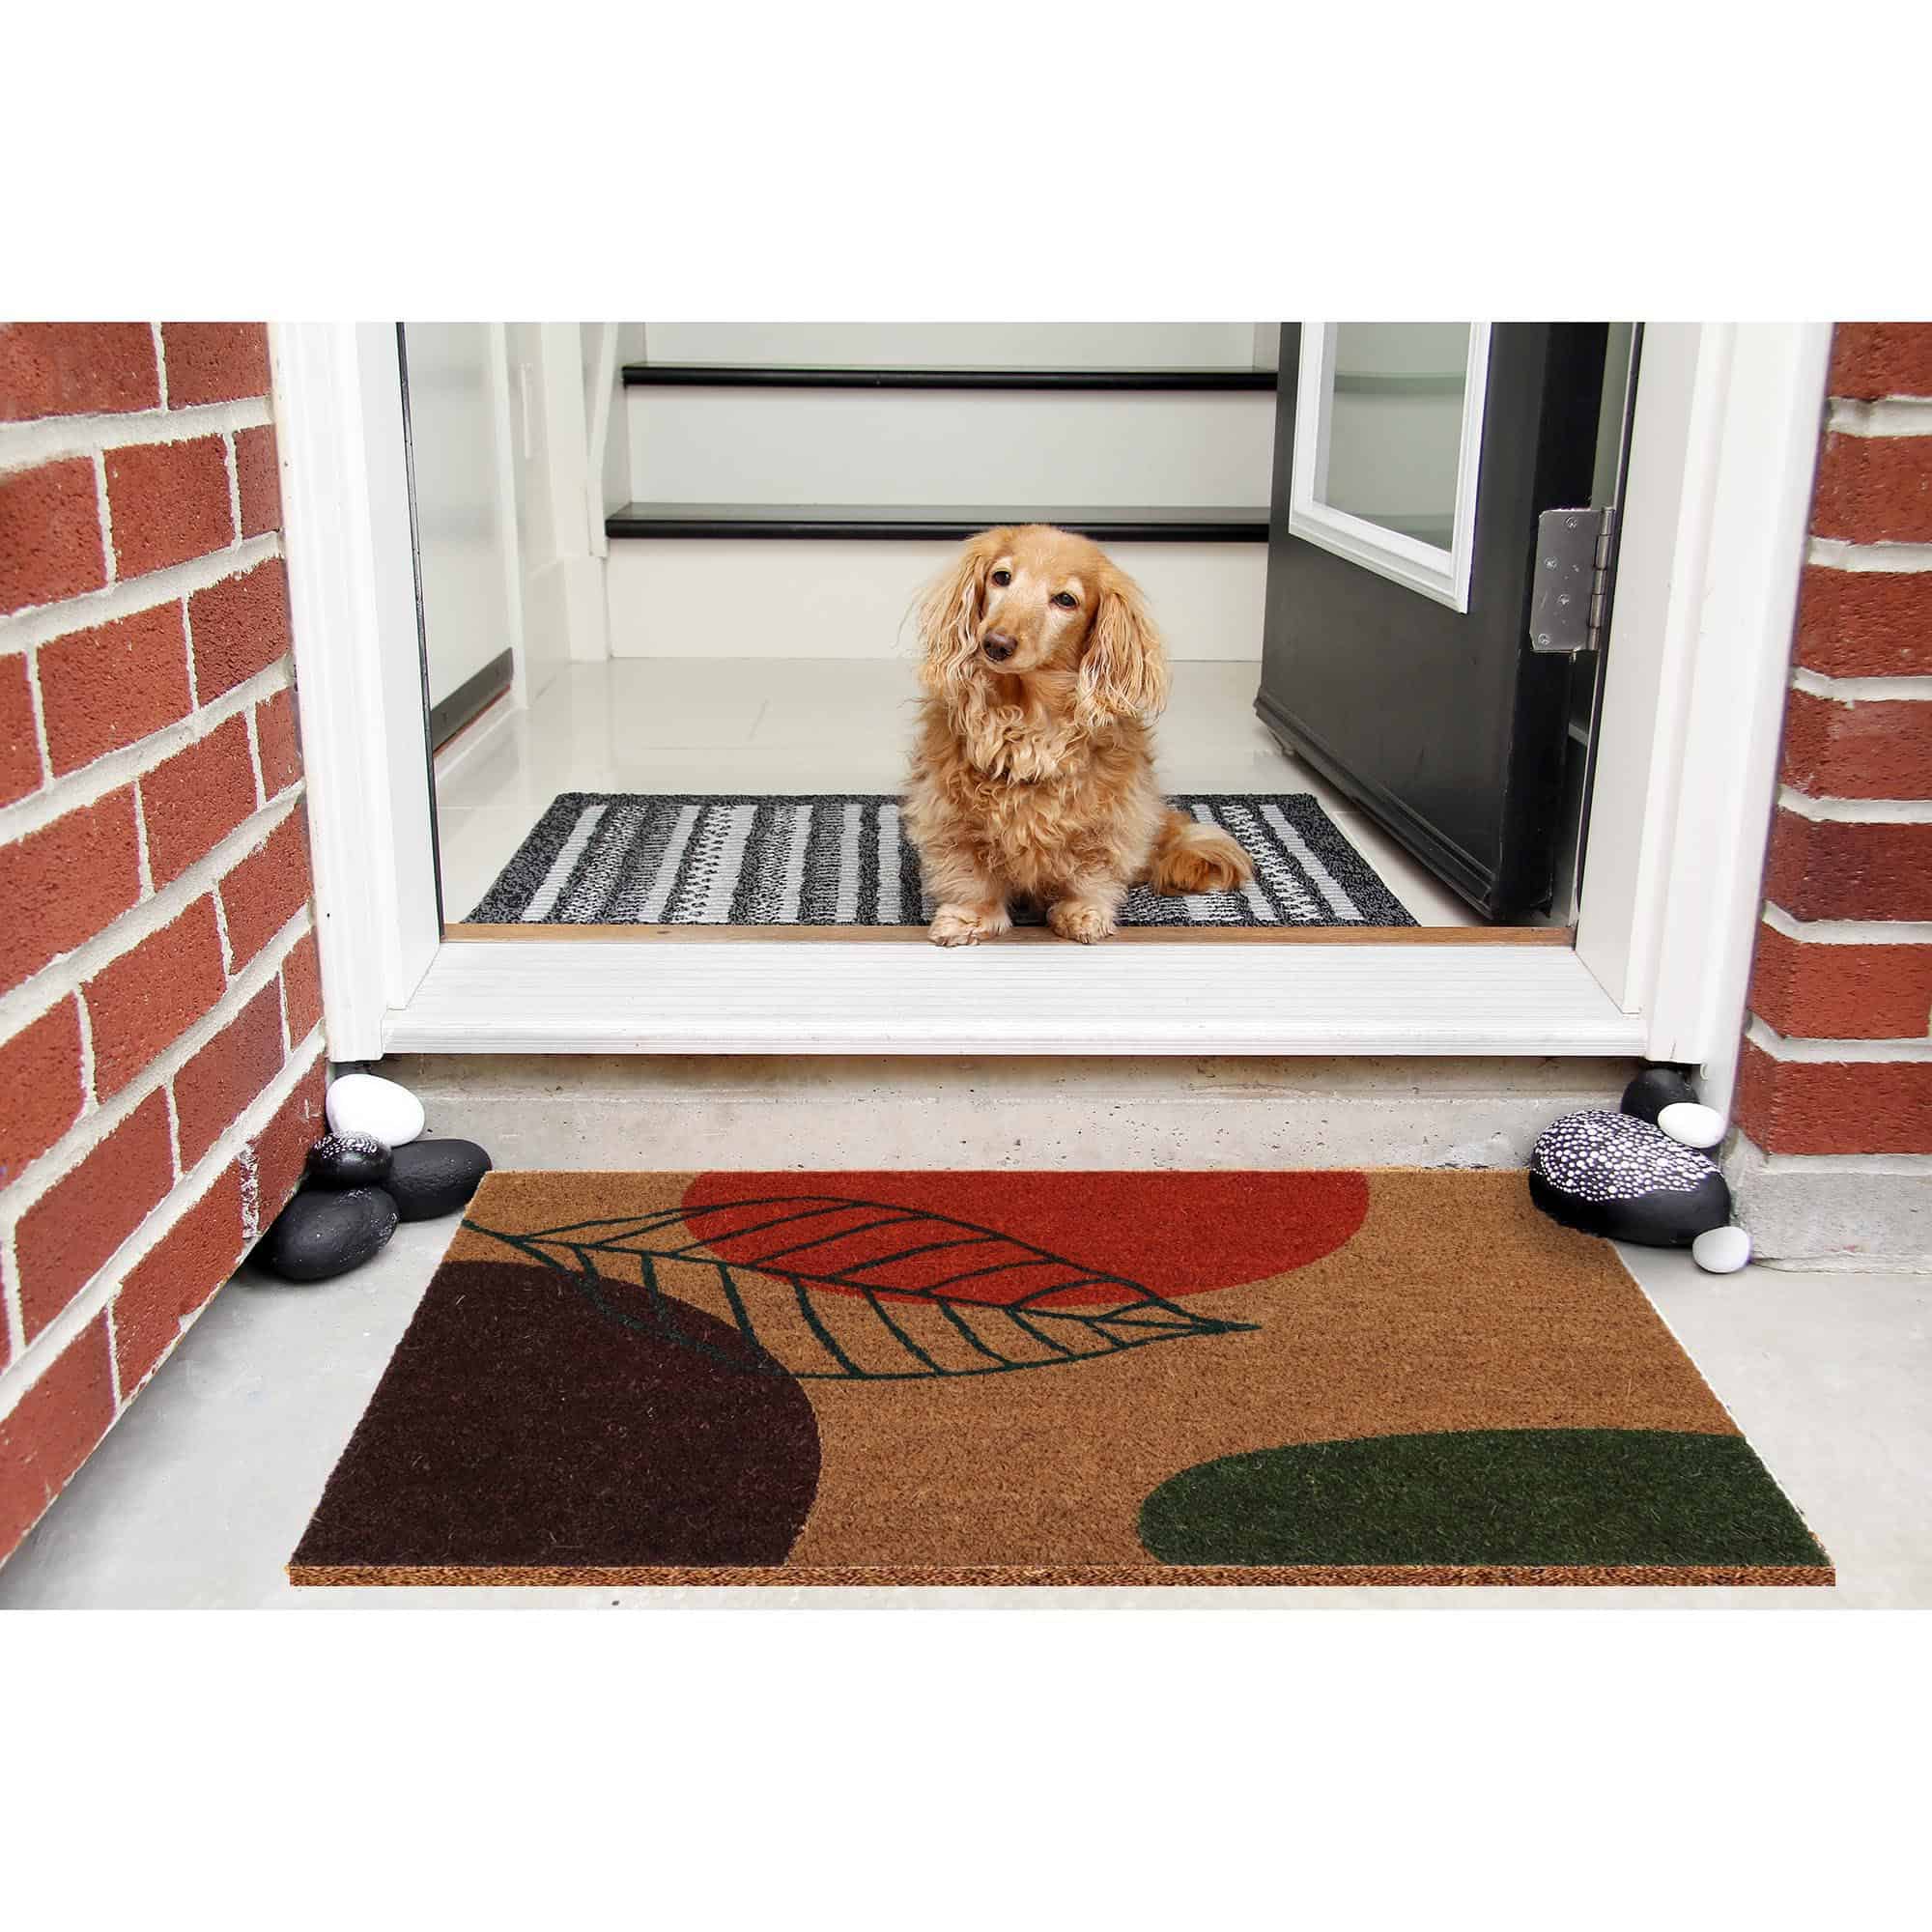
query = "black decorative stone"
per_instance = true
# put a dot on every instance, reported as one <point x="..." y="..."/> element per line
<point x="432" y="1178"/>
<point x="1617" y="1176"/>
<point x="322" y="1232"/>
<point x="348" y="1160"/>
<point x="1655" y="1088"/>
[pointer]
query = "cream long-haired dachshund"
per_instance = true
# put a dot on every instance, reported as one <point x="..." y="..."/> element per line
<point x="1033" y="776"/>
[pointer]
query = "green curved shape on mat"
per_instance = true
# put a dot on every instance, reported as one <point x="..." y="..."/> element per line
<point x="1482" y="1495"/>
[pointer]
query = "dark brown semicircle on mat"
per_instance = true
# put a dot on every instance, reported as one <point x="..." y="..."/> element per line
<point x="517" y="1424"/>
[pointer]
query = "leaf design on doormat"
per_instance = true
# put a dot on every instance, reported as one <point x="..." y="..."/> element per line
<point x="829" y="1288"/>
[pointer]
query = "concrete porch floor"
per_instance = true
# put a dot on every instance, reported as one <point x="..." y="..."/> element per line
<point x="198" y="1496"/>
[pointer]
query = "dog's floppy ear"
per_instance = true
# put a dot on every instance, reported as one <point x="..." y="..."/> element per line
<point x="949" y="616"/>
<point x="1124" y="673"/>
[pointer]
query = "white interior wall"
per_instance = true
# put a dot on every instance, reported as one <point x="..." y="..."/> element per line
<point x="467" y="547"/>
<point x="562" y="578"/>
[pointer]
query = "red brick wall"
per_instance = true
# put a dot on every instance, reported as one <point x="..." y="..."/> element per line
<point x="1836" y="1058"/>
<point x="160" y="1044"/>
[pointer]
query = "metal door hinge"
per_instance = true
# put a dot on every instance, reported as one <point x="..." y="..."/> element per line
<point x="1569" y="603"/>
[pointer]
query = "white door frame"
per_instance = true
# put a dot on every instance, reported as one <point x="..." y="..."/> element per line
<point x="1723" y="446"/>
<point x="1723" y="442"/>
<point x="364" y="725"/>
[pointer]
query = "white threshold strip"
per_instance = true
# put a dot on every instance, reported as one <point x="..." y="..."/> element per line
<point x="535" y="996"/>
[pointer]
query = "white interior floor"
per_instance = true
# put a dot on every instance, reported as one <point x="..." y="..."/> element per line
<point x="202" y="1490"/>
<point x="831" y="724"/>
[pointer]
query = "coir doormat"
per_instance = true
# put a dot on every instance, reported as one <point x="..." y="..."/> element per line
<point x="633" y="859"/>
<point x="1399" y="1377"/>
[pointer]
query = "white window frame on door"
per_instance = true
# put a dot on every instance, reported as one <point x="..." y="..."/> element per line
<point x="1724" y="440"/>
<point x="1441" y="573"/>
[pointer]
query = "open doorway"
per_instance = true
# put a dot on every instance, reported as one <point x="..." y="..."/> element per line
<point x="714" y="536"/>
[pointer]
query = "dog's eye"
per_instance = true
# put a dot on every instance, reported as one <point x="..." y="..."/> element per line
<point x="1002" y="577"/>
<point x="1067" y="599"/>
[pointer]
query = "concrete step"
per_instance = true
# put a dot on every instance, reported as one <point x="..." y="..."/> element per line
<point x="674" y="1112"/>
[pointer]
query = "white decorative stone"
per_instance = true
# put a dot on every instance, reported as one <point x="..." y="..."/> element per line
<point x="1721" y="1250"/>
<point x="365" y="1103"/>
<point x="1696" y="1126"/>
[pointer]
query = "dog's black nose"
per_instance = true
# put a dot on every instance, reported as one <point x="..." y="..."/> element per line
<point x="998" y="646"/>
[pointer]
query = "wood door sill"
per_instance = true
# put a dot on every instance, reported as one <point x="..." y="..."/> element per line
<point x="1132" y="935"/>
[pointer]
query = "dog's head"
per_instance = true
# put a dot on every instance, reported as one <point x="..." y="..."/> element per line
<point x="1037" y="603"/>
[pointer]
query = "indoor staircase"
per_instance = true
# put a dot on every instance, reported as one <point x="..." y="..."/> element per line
<point x="794" y="509"/>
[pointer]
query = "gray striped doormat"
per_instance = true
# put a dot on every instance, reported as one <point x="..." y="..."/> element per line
<point x="628" y="859"/>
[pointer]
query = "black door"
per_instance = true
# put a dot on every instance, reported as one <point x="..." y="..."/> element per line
<point x="1440" y="721"/>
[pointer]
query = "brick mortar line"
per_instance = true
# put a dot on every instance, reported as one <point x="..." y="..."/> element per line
<point x="144" y="864"/>
<point x="1762" y="1163"/>
<point x="113" y="1366"/>
<point x="127" y="597"/>
<point x="221" y="931"/>
<point x="1883" y="560"/>
<point x="255" y="754"/>
<point x="187" y="644"/>
<point x="1861" y="690"/>
<point x="1890" y="416"/>
<point x="103" y="511"/>
<point x="1847" y="932"/>
<point x="91" y="783"/>
<point x="160" y="361"/>
<point x="37" y="704"/>
<point x="32" y="1362"/>
<point x="234" y="462"/>
<point x="1798" y="1050"/>
<point x="46" y="1170"/>
<point x="26" y="445"/>
<point x="21" y="1005"/>
<point x="1853" y="810"/>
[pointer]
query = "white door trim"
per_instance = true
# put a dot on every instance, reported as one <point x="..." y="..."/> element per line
<point x="1723" y="444"/>
<point x="353" y="602"/>
<point x="1723" y="447"/>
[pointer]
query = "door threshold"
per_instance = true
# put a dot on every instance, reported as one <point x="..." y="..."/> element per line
<point x="539" y="994"/>
<point x="1025" y="935"/>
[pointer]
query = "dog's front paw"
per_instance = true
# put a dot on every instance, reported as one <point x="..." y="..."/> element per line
<point x="1081" y="921"/>
<point x="965" y="925"/>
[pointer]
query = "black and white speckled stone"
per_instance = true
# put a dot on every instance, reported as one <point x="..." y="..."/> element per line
<point x="1617" y="1176"/>
<point x="348" y="1160"/>
<point x="320" y="1234"/>
<point x="432" y="1178"/>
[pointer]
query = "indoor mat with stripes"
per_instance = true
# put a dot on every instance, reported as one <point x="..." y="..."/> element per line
<point x="623" y="859"/>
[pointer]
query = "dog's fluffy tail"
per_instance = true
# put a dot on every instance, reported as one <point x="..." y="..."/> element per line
<point x="1189" y="857"/>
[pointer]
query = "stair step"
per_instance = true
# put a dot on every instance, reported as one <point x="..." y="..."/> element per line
<point x="714" y="597"/>
<point x="832" y="376"/>
<point x="926" y="523"/>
